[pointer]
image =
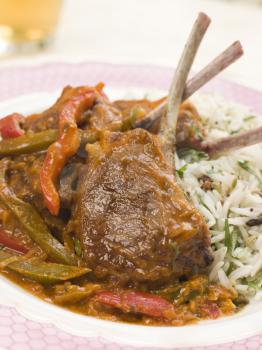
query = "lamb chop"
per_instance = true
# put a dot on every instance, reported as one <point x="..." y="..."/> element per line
<point x="189" y="132"/>
<point x="133" y="221"/>
<point x="104" y="115"/>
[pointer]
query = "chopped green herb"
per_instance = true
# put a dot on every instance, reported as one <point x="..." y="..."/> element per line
<point x="257" y="279"/>
<point x="210" y="172"/>
<point x="202" y="202"/>
<point x="249" y="117"/>
<point x="129" y="123"/>
<point x="255" y="286"/>
<point x="234" y="183"/>
<point x="235" y="131"/>
<point x="228" y="237"/>
<point x="78" y="248"/>
<point x="255" y="282"/>
<point x="192" y="155"/>
<point x="133" y="117"/>
<point x="196" y="130"/>
<point x="230" y="269"/>
<point x="244" y="164"/>
<point x="181" y="171"/>
<point x="217" y="186"/>
<point x="235" y="234"/>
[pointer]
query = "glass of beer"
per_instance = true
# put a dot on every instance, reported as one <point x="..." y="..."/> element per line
<point x="27" y="25"/>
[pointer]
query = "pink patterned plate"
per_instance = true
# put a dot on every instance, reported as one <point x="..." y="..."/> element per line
<point x="29" y="89"/>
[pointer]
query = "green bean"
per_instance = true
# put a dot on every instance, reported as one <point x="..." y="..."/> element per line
<point x="43" y="272"/>
<point x="28" y="143"/>
<point x="68" y="294"/>
<point x="32" y="222"/>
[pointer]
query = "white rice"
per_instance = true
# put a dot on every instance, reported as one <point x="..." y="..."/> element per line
<point x="239" y="204"/>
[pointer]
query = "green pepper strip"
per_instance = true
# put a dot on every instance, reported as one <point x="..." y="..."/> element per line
<point x="75" y="294"/>
<point x="27" y="143"/>
<point x="71" y="297"/>
<point x="40" y="141"/>
<point x="43" y="272"/>
<point x="32" y="222"/>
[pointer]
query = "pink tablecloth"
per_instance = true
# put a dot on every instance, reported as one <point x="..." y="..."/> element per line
<point x="16" y="332"/>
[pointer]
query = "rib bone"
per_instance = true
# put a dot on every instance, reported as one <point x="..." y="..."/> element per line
<point x="231" y="143"/>
<point x="222" y="61"/>
<point x="168" y="124"/>
<point x="225" y="59"/>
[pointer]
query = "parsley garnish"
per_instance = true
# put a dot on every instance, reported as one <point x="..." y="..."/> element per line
<point x="181" y="171"/>
<point x="192" y="155"/>
<point x="244" y="164"/>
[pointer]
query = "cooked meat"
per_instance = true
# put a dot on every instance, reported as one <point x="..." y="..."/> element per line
<point x="138" y="109"/>
<point x="68" y="183"/>
<point x="144" y="105"/>
<point x="190" y="129"/>
<point x="132" y="219"/>
<point x="104" y="115"/>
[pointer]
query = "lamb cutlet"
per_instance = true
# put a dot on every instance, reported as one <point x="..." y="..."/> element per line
<point x="132" y="219"/>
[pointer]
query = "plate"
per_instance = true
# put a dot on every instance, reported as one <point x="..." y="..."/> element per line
<point x="36" y="88"/>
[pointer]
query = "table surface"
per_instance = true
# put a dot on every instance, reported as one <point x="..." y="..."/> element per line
<point x="154" y="32"/>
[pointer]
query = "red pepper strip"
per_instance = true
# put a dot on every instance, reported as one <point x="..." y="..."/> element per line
<point x="138" y="302"/>
<point x="10" y="127"/>
<point x="11" y="243"/>
<point x="66" y="145"/>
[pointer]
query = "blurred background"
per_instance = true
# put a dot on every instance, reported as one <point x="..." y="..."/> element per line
<point x="131" y="31"/>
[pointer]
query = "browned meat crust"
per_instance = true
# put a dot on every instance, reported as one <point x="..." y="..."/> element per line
<point x="134" y="222"/>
